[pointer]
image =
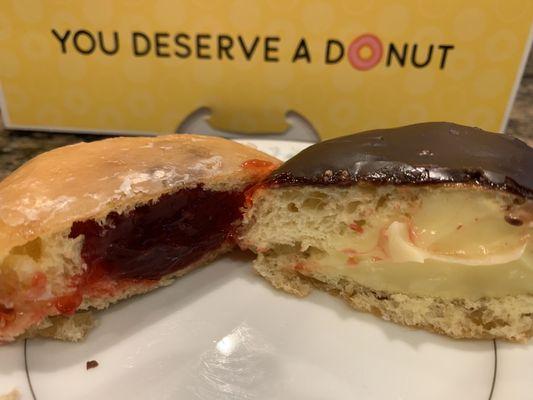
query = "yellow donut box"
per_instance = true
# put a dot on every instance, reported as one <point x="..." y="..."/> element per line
<point x="138" y="66"/>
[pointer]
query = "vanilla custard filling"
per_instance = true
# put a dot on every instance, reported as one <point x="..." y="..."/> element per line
<point x="458" y="245"/>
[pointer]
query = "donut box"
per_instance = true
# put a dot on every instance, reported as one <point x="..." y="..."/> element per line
<point x="262" y="67"/>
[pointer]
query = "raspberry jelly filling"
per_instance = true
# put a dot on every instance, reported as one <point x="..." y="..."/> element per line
<point x="161" y="237"/>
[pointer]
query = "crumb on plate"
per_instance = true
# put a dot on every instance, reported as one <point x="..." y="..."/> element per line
<point x="91" y="364"/>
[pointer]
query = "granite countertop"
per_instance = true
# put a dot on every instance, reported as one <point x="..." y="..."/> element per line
<point x="18" y="147"/>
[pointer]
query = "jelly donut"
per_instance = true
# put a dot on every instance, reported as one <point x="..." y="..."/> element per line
<point x="84" y="226"/>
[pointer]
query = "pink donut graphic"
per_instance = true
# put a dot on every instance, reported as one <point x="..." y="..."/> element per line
<point x="366" y="40"/>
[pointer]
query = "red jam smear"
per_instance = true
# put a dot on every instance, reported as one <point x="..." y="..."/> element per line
<point x="249" y="194"/>
<point x="68" y="304"/>
<point x="257" y="164"/>
<point x="159" y="238"/>
<point x="6" y="315"/>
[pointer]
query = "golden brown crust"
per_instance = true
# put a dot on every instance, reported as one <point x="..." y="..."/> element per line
<point x="507" y="317"/>
<point x="88" y="180"/>
<point x="76" y="327"/>
<point x="72" y="328"/>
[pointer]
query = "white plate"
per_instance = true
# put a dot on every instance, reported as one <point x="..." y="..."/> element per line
<point x="221" y="332"/>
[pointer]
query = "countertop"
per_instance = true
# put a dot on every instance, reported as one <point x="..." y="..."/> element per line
<point x="18" y="147"/>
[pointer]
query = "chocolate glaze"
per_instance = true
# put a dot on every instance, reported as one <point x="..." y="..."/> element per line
<point x="426" y="153"/>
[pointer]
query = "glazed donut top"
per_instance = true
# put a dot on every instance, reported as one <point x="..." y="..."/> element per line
<point x="425" y="153"/>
